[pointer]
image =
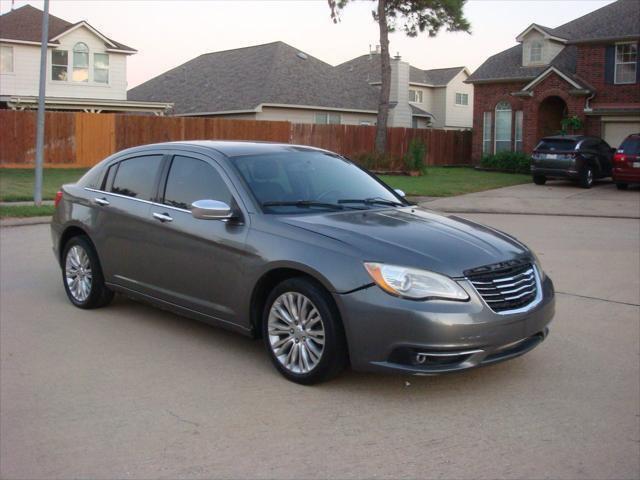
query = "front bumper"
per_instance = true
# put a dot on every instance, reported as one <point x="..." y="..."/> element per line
<point x="386" y="333"/>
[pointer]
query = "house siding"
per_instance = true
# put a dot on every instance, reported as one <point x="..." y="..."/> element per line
<point x="24" y="80"/>
<point x="457" y="116"/>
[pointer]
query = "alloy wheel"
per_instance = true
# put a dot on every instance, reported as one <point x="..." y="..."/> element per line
<point x="78" y="274"/>
<point x="296" y="332"/>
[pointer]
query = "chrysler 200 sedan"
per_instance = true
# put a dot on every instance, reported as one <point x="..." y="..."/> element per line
<point x="305" y="249"/>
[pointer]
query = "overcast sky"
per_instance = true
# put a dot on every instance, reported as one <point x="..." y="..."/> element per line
<point x="168" y="33"/>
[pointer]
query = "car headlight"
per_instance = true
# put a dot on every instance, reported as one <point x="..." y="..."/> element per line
<point x="414" y="283"/>
<point x="538" y="265"/>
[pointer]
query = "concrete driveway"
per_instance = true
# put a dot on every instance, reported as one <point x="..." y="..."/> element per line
<point x="133" y="392"/>
<point x="557" y="197"/>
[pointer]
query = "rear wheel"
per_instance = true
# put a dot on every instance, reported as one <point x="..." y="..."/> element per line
<point x="303" y="333"/>
<point x="539" y="179"/>
<point x="586" y="177"/>
<point x="622" y="186"/>
<point x="82" y="275"/>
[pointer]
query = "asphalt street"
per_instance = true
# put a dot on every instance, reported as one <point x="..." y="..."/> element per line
<point x="130" y="391"/>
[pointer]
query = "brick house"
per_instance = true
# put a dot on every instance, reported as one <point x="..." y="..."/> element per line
<point x="589" y="68"/>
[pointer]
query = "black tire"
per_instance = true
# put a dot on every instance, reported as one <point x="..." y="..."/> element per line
<point x="539" y="179"/>
<point x="99" y="295"/>
<point x="622" y="186"/>
<point x="586" y="177"/>
<point x="334" y="355"/>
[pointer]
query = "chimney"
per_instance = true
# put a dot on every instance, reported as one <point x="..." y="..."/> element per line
<point x="400" y="113"/>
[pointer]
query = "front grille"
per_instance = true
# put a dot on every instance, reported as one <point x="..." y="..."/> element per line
<point x="507" y="288"/>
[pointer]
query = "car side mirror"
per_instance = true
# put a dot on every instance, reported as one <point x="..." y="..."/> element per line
<point x="211" y="210"/>
<point x="400" y="192"/>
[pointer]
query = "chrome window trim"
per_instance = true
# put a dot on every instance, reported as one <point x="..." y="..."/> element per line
<point x="95" y="190"/>
<point x="536" y="301"/>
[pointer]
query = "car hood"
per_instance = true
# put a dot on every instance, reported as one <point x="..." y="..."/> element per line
<point x="415" y="237"/>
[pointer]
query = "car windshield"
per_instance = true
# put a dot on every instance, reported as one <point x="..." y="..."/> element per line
<point x="556" y="144"/>
<point x="302" y="181"/>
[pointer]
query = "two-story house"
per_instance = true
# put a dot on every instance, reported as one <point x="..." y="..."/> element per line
<point x="276" y="81"/>
<point x="86" y="70"/>
<point x="588" y="68"/>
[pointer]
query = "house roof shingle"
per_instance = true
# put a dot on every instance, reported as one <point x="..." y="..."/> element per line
<point x="620" y="19"/>
<point x="367" y="67"/>
<point x="243" y="78"/>
<point x="25" y="24"/>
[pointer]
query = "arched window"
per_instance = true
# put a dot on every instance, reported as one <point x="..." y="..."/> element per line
<point x="535" y="55"/>
<point x="503" y="126"/>
<point x="80" y="62"/>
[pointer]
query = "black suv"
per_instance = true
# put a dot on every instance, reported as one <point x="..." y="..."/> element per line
<point x="577" y="157"/>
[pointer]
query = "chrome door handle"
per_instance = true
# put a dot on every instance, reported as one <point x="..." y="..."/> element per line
<point x="101" y="201"/>
<point x="163" y="217"/>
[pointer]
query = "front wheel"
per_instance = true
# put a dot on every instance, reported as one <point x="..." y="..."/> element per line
<point x="586" y="177"/>
<point x="622" y="186"/>
<point x="303" y="332"/>
<point x="82" y="275"/>
<point x="539" y="179"/>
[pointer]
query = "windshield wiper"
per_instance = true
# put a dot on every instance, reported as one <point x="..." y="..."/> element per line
<point x="372" y="201"/>
<point x="303" y="204"/>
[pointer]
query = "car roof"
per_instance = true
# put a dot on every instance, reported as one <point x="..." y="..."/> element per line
<point x="235" y="148"/>
<point x="575" y="138"/>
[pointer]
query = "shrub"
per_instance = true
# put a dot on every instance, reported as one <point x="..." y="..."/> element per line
<point x="414" y="160"/>
<point x="516" y="162"/>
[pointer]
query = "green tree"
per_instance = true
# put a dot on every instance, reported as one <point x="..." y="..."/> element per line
<point x="412" y="17"/>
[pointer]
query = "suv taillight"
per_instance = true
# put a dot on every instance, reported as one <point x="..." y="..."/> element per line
<point x="619" y="158"/>
<point x="56" y="201"/>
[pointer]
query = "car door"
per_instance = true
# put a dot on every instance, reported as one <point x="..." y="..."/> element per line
<point x="195" y="263"/>
<point x="122" y="219"/>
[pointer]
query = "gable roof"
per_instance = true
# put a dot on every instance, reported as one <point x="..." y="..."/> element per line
<point x="618" y="20"/>
<point x="242" y="79"/>
<point x="24" y="24"/>
<point x="367" y="67"/>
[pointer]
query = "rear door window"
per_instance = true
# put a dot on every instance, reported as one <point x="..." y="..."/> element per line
<point x="560" y="144"/>
<point x="136" y="177"/>
<point x="190" y="180"/>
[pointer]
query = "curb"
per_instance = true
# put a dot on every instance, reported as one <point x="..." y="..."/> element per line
<point x="23" y="222"/>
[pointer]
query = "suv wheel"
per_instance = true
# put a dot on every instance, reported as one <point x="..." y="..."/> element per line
<point x="82" y="275"/>
<point x="586" y="177"/>
<point x="539" y="179"/>
<point x="303" y="333"/>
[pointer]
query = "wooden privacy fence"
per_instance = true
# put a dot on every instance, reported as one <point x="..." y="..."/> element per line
<point x="74" y="139"/>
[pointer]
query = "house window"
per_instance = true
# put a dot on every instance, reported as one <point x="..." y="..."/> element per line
<point x="503" y="127"/>
<point x="325" y="118"/>
<point x="486" y="133"/>
<point x="80" y="62"/>
<point x="519" y="118"/>
<point x="59" y="65"/>
<point x="462" y="99"/>
<point x="535" y="55"/>
<point x="415" y="96"/>
<point x="101" y="67"/>
<point x="626" y="63"/>
<point x="6" y="59"/>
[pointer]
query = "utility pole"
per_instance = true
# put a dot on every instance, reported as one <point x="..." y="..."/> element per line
<point x="37" y="194"/>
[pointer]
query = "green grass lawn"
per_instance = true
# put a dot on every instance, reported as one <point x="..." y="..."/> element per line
<point x="26" y="211"/>
<point x="16" y="184"/>
<point x="445" y="182"/>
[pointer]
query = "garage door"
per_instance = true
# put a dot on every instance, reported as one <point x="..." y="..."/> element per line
<point x="615" y="132"/>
